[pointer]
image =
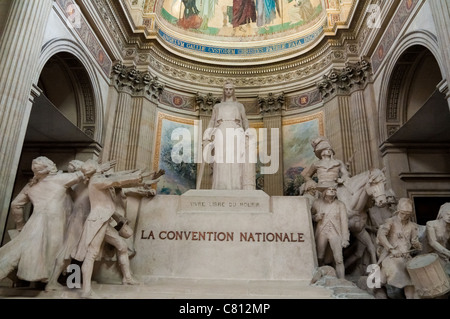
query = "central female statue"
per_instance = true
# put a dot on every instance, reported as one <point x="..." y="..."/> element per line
<point x="226" y="136"/>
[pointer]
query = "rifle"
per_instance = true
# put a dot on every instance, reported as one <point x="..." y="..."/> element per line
<point x="386" y="253"/>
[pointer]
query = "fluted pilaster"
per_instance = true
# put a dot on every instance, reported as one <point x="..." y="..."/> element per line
<point x="120" y="138"/>
<point x="338" y="127"/>
<point x="361" y="160"/>
<point x="146" y="134"/>
<point x="273" y="183"/>
<point x="206" y="182"/>
<point x="204" y="105"/>
<point x="20" y="47"/>
<point x="134" y="140"/>
<point x="130" y="128"/>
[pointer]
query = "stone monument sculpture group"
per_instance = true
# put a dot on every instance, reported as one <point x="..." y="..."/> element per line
<point x="357" y="222"/>
<point x="384" y="235"/>
<point x="74" y="215"/>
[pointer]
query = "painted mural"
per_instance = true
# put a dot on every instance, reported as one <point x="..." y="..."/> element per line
<point x="297" y="150"/>
<point x="179" y="177"/>
<point x="230" y="18"/>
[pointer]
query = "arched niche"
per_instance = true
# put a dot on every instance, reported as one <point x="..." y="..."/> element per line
<point x="413" y="81"/>
<point x="66" y="84"/>
<point x="72" y="65"/>
<point x="415" y="126"/>
<point x="65" y="122"/>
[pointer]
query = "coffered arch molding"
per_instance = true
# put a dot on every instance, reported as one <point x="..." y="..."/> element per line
<point x="420" y="38"/>
<point x="56" y="46"/>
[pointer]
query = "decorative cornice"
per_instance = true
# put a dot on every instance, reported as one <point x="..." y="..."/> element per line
<point x="257" y="76"/>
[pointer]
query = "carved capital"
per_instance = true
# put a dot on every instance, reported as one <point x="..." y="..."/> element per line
<point x="354" y="75"/>
<point x="326" y="87"/>
<point x="271" y="104"/>
<point x="205" y="103"/>
<point x="154" y="88"/>
<point x="358" y="73"/>
<point x="134" y="81"/>
<point x="127" y="78"/>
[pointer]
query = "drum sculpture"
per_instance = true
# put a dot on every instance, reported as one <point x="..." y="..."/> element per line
<point x="428" y="276"/>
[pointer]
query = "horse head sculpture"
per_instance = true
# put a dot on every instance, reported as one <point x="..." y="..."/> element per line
<point x="358" y="193"/>
<point x="375" y="186"/>
<point x="359" y="189"/>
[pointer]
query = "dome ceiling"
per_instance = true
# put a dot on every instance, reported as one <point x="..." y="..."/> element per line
<point x="229" y="31"/>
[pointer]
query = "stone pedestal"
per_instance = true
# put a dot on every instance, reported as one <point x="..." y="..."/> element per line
<point x="215" y="234"/>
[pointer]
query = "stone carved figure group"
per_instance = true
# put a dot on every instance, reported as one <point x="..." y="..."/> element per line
<point x="357" y="212"/>
<point x="74" y="214"/>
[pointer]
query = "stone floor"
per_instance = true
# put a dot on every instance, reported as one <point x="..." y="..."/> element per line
<point x="180" y="288"/>
<point x="177" y="297"/>
<point x="180" y="297"/>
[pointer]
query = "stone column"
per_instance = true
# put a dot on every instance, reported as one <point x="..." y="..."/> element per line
<point x="120" y="135"/>
<point x="273" y="183"/>
<point x="441" y="14"/>
<point x="363" y="116"/>
<point x="338" y="127"/>
<point x="135" y="127"/>
<point x="204" y="105"/>
<point x="361" y="161"/>
<point x="206" y="182"/>
<point x="20" y="48"/>
<point x="146" y="135"/>
<point x="153" y="92"/>
<point x="129" y="138"/>
<point x="346" y="115"/>
<point x="270" y="110"/>
<point x="373" y="124"/>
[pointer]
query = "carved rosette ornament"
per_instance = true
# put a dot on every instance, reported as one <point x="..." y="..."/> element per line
<point x="271" y="105"/>
<point x="354" y="75"/>
<point x="133" y="81"/>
